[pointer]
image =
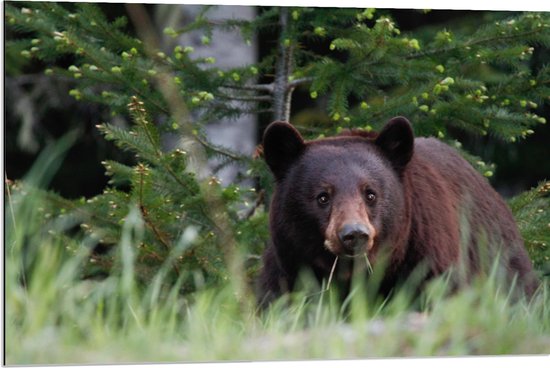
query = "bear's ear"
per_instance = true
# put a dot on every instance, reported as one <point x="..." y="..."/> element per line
<point x="282" y="145"/>
<point x="396" y="140"/>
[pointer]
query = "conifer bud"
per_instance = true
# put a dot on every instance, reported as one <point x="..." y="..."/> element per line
<point x="171" y="32"/>
<point x="414" y="44"/>
<point x="76" y="94"/>
<point x="320" y="31"/>
<point x="448" y="81"/>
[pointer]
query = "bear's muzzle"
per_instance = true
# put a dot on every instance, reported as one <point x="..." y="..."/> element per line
<point x="354" y="237"/>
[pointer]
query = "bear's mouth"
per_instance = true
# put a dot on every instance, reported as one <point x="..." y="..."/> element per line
<point x="359" y="253"/>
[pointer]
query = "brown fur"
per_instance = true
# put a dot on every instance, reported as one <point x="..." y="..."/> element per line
<point x="431" y="207"/>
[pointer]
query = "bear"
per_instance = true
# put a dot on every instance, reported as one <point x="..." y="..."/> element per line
<point x="414" y="201"/>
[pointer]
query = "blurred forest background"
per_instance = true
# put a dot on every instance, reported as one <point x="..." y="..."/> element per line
<point x="40" y="110"/>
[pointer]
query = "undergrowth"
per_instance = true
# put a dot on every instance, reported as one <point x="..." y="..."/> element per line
<point x="53" y="316"/>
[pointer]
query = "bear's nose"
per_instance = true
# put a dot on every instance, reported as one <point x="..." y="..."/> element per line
<point x="353" y="236"/>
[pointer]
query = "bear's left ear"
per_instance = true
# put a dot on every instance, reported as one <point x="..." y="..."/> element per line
<point x="283" y="144"/>
<point x="396" y="140"/>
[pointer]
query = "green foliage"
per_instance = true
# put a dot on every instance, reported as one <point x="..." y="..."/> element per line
<point x="55" y="317"/>
<point x="532" y="212"/>
<point x="176" y="223"/>
<point x="479" y="82"/>
<point x="200" y="233"/>
<point x="110" y="66"/>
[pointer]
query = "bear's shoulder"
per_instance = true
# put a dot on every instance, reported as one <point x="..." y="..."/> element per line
<point x="439" y="155"/>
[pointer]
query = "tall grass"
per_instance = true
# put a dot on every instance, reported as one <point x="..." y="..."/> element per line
<point x="55" y="317"/>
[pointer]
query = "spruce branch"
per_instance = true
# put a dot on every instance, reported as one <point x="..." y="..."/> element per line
<point x="86" y="50"/>
<point x="142" y="171"/>
<point x="260" y="198"/>
<point x="215" y="209"/>
<point x="245" y="98"/>
<point x="254" y="87"/>
<point x="136" y="107"/>
<point x="217" y="149"/>
<point x="269" y="87"/>
<point x="479" y="42"/>
<point x="298" y="82"/>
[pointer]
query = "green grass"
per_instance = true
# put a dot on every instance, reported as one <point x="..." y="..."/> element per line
<point x="54" y="317"/>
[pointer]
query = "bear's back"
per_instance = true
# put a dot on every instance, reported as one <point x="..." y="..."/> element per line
<point x="454" y="172"/>
<point x="487" y="226"/>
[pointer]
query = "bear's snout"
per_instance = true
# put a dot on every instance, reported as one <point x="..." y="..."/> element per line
<point x="353" y="237"/>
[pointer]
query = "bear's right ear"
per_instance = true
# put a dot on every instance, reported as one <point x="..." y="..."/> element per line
<point x="283" y="144"/>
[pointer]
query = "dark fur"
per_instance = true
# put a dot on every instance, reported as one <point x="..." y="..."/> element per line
<point x="429" y="201"/>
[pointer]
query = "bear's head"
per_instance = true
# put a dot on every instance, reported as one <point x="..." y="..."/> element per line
<point x="339" y="196"/>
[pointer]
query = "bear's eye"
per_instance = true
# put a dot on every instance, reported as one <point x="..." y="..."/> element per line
<point x="323" y="199"/>
<point x="370" y="196"/>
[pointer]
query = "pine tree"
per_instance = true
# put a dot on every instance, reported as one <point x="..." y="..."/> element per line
<point x="532" y="212"/>
<point x="479" y="82"/>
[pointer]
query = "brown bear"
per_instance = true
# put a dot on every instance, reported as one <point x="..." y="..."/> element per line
<point x="413" y="200"/>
